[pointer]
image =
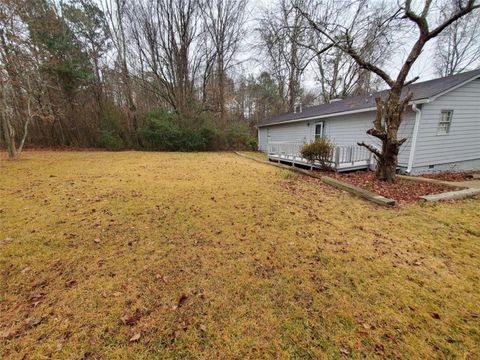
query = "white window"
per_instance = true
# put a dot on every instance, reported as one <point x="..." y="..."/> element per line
<point x="445" y="122"/>
<point x="318" y="130"/>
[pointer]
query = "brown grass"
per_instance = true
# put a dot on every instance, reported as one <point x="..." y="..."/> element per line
<point x="214" y="256"/>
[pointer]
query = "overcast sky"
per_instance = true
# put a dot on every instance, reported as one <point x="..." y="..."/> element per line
<point x="252" y="62"/>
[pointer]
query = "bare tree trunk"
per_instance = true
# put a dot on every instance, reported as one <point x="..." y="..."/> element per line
<point x="9" y="136"/>
<point x="221" y="86"/>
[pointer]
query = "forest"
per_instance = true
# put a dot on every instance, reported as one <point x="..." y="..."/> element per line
<point x="193" y="75"/>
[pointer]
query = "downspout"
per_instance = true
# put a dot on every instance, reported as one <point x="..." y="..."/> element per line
<point x="418" y="115"/>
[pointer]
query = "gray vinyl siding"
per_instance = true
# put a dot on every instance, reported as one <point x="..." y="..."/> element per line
<point x="341" y="130"/>
<point x="462" y="142"/>
<point x="262" y="139"/>
<point x="291" y="132"/>
<point x="351" y="129"/>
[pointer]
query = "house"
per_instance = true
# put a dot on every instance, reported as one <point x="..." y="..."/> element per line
<point x="442" y="125"/>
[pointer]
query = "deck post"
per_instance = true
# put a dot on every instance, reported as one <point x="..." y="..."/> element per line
<point x="337" y="157"/>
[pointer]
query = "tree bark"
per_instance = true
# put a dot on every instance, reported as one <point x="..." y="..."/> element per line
<point x="9" y="136"/>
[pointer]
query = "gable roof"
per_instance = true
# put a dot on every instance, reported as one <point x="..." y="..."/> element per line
<point x="421" y="91"/>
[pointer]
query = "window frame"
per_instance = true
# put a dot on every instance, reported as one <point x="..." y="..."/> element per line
<point x="441" y="123"/>
<point x="315" y="130"/>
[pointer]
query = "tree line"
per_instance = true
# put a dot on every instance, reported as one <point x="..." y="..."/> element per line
<point x="177" y="74"/>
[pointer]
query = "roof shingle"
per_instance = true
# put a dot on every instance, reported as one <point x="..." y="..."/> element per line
<point x="421" y="90"/>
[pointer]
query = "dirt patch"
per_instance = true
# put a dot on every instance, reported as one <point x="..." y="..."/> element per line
<point x="402" y="190"/>
<point x="451" y="176"/>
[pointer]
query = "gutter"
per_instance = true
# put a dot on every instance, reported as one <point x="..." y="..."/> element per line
<point x="348" y="112"/>
<point x="418" y="115"/>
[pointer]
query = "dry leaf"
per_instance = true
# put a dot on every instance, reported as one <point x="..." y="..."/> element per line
<point x="132" y="319"/>
<point x="135" y="337"/>
<point x="6" y="241"/>
<point x="182" y="299"/>
<point x="70" y="283"/>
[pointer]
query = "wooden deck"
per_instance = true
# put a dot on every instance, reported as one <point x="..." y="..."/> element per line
<point x="345" y="158"/>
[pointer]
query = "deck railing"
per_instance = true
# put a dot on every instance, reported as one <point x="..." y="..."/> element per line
<point x="344" y="156"/>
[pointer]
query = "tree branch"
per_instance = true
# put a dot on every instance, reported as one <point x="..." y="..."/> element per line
<point x="411" y="81"/>
<point x="371" y="148"/>
<point x="378" y="133"/>
<point x="378" y="115"/>
<point x="462" y="11"/>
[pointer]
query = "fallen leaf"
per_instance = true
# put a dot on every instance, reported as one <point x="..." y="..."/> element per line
<point x="30" y="323"/>
<point x="6" y="241"/>
<point x="182" y="299"/>
<point x="379" y="349"/>
<point x="135" y="337"/>
<point x="132" y="319"/>
<point x="161" y="277"/>
<point x="70" y="283"/>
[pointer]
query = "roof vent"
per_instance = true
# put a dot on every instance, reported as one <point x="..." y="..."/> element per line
<point x="335" y="100"/>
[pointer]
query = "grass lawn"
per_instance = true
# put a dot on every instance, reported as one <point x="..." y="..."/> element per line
<point x="213" y="256"/>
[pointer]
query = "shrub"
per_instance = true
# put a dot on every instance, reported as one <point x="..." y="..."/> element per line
<point x="161" y="131"/>
<point x="237" y="136"/>
<point x="109" y="139"/>
<point x="109" y="132"/>
<point x="252" y="144"/>
<point x="320" y="150"/>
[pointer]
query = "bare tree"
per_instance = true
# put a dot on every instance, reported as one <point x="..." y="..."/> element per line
<point x="339" y="76"/>
<point x="15" y="89"/>
<point x="166" y="33"/>
<point x="391" y="108"/>
<point x="458" y="47"/>
<point x="337" y="73"/>
<point x="224" y="21"/>
<point x="116" y="12"/>
<point x="282" y="33"/>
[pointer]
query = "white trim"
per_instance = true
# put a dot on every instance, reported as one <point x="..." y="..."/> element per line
<point x="418" y="116"/>
<point x="313" y="138"/>
<point x="320" y="116"/>
<point x="421" y="101"/>
<point x="440" y="121"/>
<point x="433" y="98"/>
